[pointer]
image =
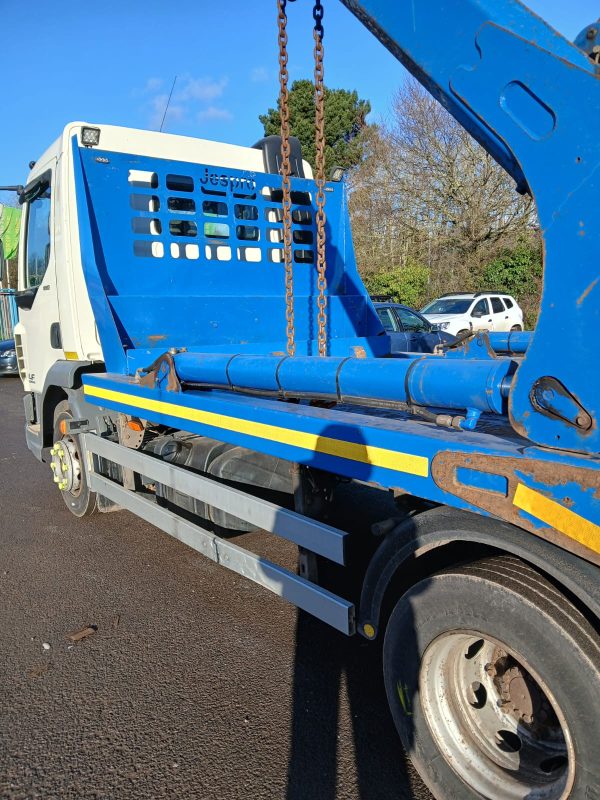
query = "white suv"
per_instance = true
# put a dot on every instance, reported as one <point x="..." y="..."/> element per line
<point x="462" y="312"/>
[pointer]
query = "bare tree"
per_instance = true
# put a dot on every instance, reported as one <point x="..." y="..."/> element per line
<point x="427" y="193"/>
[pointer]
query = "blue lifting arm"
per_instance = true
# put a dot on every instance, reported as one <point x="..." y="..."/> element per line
<point x="532" y="100"/>
<point x="437" y="41"/>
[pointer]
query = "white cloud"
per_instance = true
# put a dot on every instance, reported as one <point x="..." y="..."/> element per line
<point x="201" y="89"/>
<point x="259" y="75"/>
<point x="214" y="113"/>
<point x="191" y="98"/>
<point x="153" y="85"/>
<point x="158" y="104"/>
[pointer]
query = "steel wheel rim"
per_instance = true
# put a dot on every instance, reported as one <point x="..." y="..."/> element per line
<point x="66" y="464"/>
<point x="494" y="720"/>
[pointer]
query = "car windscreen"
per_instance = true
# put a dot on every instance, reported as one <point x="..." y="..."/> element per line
<point x="450" y="305"/>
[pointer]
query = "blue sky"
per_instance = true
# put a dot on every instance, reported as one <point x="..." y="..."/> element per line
<point x="114" y="62"/>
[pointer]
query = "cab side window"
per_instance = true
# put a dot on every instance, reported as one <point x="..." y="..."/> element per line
<point x="480" y="309"/>
<point x="497" y="306"/>
<point x="38" y="237"/>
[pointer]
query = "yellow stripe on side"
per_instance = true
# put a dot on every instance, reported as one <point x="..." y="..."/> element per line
<point x="558" y="517"/>
<point x="364" y="453"/>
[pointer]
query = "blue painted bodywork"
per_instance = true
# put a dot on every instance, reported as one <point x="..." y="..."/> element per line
<point x="151" y="303"/>
<point x="396" y="433"/>
<point x="423" y="381"/>
<point x="519" y="88"/>
<point x="268" y="425"/>
<point x="515" y="342"/>
<point x="151" y="293"/>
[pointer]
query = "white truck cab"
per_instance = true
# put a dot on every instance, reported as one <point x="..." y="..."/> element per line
<point x="56" y="336"/>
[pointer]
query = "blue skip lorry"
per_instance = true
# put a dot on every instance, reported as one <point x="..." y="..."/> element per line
<point x="197" y="348"/>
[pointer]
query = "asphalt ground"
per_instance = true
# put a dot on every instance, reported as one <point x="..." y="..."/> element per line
<point x="196" y="683"/>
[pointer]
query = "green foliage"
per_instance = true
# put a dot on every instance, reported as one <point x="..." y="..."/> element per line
<point x="345" y="117"/>
<point x="514" y="271"/>
<point x="406" y="285"/>
<point x="517" y="272"/>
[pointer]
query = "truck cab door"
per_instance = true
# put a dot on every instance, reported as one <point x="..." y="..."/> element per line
<point x="481" y="318"/>
<point x="38" y="332"/>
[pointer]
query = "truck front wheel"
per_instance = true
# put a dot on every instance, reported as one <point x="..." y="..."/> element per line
<point x="493" y="679"/>
<point x="68" y="467"/>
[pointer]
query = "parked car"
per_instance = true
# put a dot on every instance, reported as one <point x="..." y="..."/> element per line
<point x="8" y="358"/>
<point x="409" y="331"/>
<point x="461" y="312"/>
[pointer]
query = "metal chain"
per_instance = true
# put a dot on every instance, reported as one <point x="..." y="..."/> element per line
<point x="318" y="33"/>
<point x="285" y="174"/>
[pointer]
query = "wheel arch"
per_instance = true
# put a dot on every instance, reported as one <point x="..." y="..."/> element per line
<point x="62" y="378"/>
<point x="442" y="537"/>
<point x="52" y="396"/>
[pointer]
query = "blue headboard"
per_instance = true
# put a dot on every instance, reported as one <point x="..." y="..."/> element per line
<point x="191" y="255"/>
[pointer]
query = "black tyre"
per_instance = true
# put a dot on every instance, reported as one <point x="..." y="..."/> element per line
<point x="493" y="679"/>
<point x="516" y="328"/>
<point x="69" y="468"/>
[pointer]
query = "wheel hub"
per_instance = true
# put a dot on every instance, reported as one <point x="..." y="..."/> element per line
<point x="520" y="695"/>
<point x="494" y="721"/>
<point x="66" y="465"/>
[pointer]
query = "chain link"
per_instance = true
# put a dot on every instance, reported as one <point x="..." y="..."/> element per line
<point x="285" y="174"/>
<point x="321" y="218"/>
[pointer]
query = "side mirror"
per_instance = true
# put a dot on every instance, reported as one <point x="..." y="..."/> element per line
<point x="477" y="314"/>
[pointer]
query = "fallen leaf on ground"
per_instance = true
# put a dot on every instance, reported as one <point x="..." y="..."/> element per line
<point x="83" y="633"/>
<point x="35" y="672"/>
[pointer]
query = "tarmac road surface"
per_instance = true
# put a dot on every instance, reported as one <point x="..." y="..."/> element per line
<point x="196" y="683"/>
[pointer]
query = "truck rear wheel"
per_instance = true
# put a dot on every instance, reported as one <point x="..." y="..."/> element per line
<point x="493" y="680"/>
<point x="68" y="466"/>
